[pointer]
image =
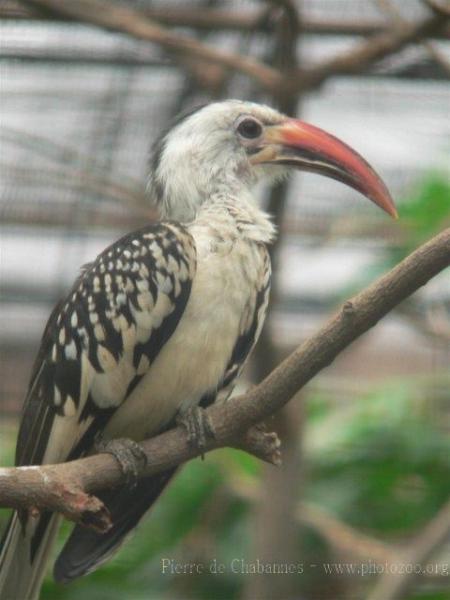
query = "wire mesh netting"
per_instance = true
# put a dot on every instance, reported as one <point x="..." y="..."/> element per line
<point x="81" y="106"/>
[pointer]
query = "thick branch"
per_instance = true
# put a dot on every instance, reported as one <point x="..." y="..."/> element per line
<point x="122" y="19"/>
<point x="365" y="54"/>
<point x="46" y="486"/>
<point x="219" y="19"/>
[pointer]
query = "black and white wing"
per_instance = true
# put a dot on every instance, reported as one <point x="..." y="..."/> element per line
<point x="102" y="339"/>
<point x="97" y="345"/>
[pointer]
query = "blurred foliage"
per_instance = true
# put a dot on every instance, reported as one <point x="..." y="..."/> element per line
<point x="423" y="213"/>
<point x="383" y="463"/>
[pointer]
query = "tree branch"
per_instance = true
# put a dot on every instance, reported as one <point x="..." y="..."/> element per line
<point x="66" y="488"/>
<point x="345" y="540"/>
<point x="133" y="22"/>
<point x="395" y="585"/>
<point x="123" y="19"/>
<point x="219" y="19"/>
<point x="391" y="10"/>
<point x="365" y="54"/>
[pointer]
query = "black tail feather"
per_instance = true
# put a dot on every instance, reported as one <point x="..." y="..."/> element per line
<point x="85" y="549"/>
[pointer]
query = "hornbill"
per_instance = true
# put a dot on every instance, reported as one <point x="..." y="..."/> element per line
<point x="161" y="323"/>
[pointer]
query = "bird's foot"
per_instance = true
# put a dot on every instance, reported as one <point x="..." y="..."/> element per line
<point x="198" y="426"/>
<point x="128" y="453"/>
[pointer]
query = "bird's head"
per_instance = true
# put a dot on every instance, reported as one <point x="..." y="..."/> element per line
<point x="227" y="147"/>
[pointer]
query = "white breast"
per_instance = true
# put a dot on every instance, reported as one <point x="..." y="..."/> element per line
<point x="194" y="359"/>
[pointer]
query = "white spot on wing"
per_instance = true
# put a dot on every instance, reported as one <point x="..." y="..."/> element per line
<point x="142" y="285"/>
<point x="143" y="271"/>
<point x="105" y="358"/>
<point x="143" y="365"/>
<point x="183" y="273"/>
<point x="99" y="332"/>
<point x="93" y="318"/>
<point x="172" y="264"/>
<point x="144" y="321"/>
<point x="56" y="396"/>
<point x="70" y="409"/>
<point x="177" y="287"/>
<point x="121" y="299"/>
<point x="129" y="338"/>
<point x="71" y="351"/>
<point x="145" y="301"/>
<point x="162" y="309"/>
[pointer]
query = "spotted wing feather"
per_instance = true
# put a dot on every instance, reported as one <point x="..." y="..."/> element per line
<point x="103" y="338"/>
<point x="96" y="346"/>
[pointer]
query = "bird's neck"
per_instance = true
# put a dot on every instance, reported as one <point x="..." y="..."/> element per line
<point x="204" y="194"/>
<point x="182" y="186"/>
<point x="233" y="216"/>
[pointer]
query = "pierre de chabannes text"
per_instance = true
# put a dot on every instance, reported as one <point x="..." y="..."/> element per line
<point x="170" y="566"/>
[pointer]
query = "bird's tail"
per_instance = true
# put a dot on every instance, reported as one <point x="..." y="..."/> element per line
<point x="86" y="549"/>
<point x="24" y="554"/>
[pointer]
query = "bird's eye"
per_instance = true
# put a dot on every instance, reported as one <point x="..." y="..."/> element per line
<point x="249" y="129"/>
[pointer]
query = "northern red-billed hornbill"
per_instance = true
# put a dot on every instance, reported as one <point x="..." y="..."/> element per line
<point x="162" y="321"/>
